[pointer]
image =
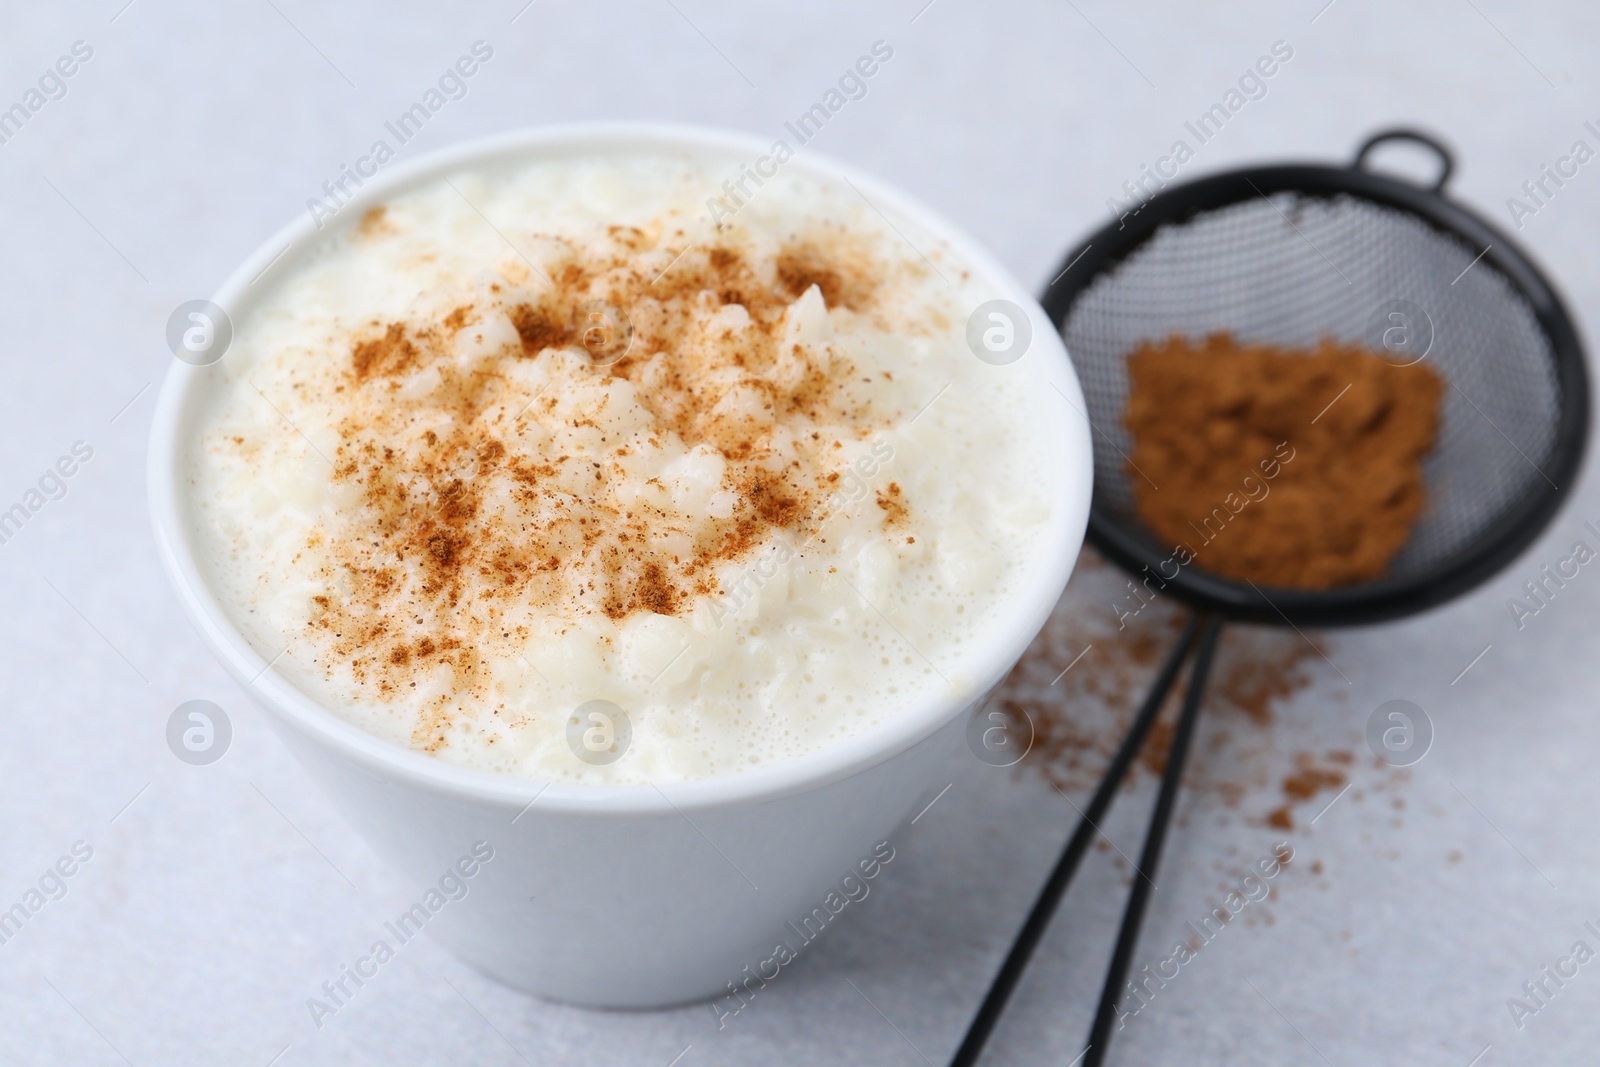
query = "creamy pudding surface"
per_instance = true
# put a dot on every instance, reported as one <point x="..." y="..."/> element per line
<point x="547" y="434"/>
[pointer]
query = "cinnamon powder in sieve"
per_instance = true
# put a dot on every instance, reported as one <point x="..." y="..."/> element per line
<point x="1286" y="467"/>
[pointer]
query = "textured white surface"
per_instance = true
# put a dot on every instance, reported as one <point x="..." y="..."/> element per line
<point x="214" y="904"/>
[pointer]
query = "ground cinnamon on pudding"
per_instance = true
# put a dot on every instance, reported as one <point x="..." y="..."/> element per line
<point x="469" y="503"/>
<point x="1296" y="468"/>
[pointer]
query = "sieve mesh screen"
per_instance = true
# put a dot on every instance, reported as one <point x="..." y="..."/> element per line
<point x="1293" y="268"/>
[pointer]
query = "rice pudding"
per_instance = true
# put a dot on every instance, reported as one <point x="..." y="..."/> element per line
<point x="548" y="434"/>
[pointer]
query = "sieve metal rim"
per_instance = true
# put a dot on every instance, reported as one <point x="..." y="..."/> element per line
<point x="1519" y="524"/>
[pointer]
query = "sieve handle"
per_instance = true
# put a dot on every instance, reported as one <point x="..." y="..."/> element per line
<point x="1447" y="162"/>
<point x="994" y="1002"/>
<point x="1094" y="1054"/>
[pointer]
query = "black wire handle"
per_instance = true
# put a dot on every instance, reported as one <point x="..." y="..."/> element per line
<point x="1088" y="824"/>
<point x="1150" y="859"/>
<point x="1447" y="162"/>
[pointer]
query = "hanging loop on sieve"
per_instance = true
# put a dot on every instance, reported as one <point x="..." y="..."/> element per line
<point x="1447" y="162"/>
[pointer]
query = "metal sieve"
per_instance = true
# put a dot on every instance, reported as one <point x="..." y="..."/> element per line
<point x="1289" y="255"/>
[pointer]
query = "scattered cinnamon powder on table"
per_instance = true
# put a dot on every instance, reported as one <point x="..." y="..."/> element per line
<point x="1306" y="781"/>
<point x="1242" y="766"/>
<point x="1078" y="718"/>
<point x="1288" y="467"/>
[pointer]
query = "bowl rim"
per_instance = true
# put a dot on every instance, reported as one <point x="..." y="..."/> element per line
<point x="994" y="651"/>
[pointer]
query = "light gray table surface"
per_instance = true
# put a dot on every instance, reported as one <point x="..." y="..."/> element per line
<point x="218" y="898"/>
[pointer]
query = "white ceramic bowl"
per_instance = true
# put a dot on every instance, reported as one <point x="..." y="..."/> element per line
<point x="624" y="896"/>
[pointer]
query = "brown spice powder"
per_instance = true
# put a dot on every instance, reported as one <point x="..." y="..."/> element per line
<point x="460" y="528"/>
<point x="1300" y="469"/>
<point x="1078" y="718"/>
